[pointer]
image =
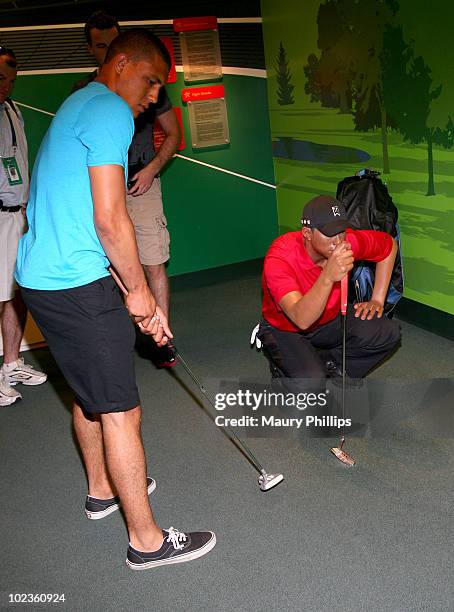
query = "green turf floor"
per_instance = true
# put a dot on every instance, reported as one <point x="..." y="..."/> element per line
<point x="376" y="537"/>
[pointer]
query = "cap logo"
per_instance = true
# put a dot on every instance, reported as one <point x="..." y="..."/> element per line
<point x="336" y="211"/>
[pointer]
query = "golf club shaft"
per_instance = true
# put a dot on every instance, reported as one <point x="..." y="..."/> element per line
<point x="344" y="321"/>
<point x="344" y="300"/>
<point x="253" y="459"/>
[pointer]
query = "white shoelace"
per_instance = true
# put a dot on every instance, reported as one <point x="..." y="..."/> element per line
<point x="176" y="537"/>
<point x="254" y="339"/>
<point x="19" y="364"/>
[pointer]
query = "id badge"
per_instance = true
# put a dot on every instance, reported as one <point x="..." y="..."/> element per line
<point x="12" y="170"/>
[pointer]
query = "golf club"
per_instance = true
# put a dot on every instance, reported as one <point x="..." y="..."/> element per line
<point x="266" y="480"/>
<point x="337" y="450"/>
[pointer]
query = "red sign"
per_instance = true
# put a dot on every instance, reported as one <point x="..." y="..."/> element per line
<point x="208" y="92"/>
<point x="169" y="46"/>
<point x="159" y="134"/>
<point x="188" y="24"/>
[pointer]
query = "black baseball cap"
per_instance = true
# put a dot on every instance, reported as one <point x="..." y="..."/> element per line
<point x="326" y="214"/>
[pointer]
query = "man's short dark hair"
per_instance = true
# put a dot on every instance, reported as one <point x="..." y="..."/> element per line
<point x="9" y="55"/>
<point x="101" y="21"/>
<point x="139" y="44"/>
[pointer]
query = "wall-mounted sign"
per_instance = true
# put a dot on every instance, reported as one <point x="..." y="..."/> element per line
<point x="159" y="134"/>
<point x="187" y="24"/>
<point x="200" y="50"/>
<point x="207" y="116"/>
<point x="169" y="46"/>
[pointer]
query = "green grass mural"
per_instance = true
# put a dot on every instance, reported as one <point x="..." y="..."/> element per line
<point x="370" y="89"/>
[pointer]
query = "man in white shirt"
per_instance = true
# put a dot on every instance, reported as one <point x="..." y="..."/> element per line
<point x="14" y="184"/>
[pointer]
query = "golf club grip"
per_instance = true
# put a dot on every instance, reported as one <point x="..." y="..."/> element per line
<point x="172" y="346"/>
<point x="344" y="294"/>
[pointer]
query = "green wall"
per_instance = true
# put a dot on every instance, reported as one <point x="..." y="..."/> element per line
<point x="323" y="140"/>
<point x="214" y="218"/>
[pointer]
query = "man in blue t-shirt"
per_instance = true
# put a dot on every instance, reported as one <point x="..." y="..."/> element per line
<point x="80" y="239"/>
<point x="144" y="198"/>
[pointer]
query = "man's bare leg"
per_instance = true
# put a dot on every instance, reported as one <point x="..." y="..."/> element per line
<point x="89" y="436"/>
<point x="14" y="315"/>
<point x="127" y="467"/>
<point x="159" y="285"/>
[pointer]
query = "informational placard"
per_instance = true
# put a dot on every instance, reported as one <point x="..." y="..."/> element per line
<point x="159" y="134"/>
<point x="172" y="78"/>
<point x="207" y="116"/>
<point x="200" y="50"/>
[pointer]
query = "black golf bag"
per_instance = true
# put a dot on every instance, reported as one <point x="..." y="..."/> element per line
<point x="369" y="206"/>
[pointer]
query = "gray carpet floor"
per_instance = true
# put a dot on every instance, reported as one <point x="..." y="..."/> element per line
<point x="375" y="537"/>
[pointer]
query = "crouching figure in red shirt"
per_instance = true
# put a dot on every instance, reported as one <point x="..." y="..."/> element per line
<point x="301" y="331"/>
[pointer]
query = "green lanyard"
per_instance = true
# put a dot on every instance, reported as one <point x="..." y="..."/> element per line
<point x="10" y="165"/>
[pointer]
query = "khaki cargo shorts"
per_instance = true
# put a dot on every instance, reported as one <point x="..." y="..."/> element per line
<point x="12" y="227"/>
<point x="147" y="215"/>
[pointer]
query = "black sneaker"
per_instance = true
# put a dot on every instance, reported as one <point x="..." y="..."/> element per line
<point x="177" y="547"/>
<point x="99" y="508"/>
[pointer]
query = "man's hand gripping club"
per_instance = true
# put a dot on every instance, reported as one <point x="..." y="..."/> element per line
<point x="340" y="262"/>
<point x="305" y="310"/>
<point x="139" y="305"/>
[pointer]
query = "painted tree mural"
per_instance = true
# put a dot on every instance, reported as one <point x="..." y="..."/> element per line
<point x="368" y="67"/>
<point x="328" y="78"/>
<point x="284" y="77"/>
<point x="349" y="73"/>
<point x="410" y="96"/>
<point x="429" y="33"/>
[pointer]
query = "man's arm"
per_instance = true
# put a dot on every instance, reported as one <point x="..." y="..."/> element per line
<point x="304" y="310"/>
<point x="145" y="177"/>
<point x="383" y="272"/>
<point x="116" y="233"/>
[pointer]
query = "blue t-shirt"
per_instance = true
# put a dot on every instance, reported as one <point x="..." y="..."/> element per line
<point x="93" y="127"/>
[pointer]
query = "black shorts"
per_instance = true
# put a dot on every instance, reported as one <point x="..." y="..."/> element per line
<point x="90" y="335"/>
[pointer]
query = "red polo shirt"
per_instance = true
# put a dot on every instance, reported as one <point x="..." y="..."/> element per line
<point x="288" y="267"/>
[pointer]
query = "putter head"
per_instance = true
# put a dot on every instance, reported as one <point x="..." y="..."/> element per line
<point x="343" y="456"/>
<point x="268" y="481"/>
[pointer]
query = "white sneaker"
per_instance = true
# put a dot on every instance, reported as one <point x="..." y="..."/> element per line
<point x="20" y="372"/>
<point x="8" y="395"/>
